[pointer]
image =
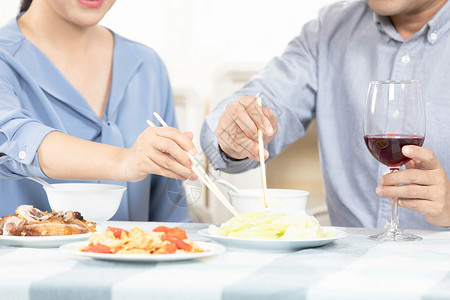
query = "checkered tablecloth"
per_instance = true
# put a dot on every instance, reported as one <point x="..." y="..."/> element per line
<point x="349" y="268"/>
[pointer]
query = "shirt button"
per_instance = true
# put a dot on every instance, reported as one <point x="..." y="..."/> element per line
<point x="433" y="36"/>
<point x="406" y="59"/>
<point x="22" y="155"/>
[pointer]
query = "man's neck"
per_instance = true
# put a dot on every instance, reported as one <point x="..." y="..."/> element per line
<point x="409" y="23"/>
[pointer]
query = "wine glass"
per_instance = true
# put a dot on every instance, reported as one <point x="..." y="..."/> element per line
<point x="394" y="117"/>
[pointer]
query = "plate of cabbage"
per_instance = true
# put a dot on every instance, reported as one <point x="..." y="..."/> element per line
<point x="273" y="232"/>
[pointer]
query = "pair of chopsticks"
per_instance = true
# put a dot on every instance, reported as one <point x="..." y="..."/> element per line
<point x="202" y="175"/>
<point x="261" y="156"/>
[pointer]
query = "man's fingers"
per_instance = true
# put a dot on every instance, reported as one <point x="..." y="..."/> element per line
<point x="256" y="114"/>
<point x="273" y="121"/>
<point x="426" y="157"/>
<point x="410" y="191"/>
<point x="420" y="205"/>
<point x="237" y="114"/>
<point x="237" y="132"/>
<point x="238" y="147"/>
<point x="415" y="176"/>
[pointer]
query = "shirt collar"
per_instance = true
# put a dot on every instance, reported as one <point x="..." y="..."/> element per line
<point x="125" y="64"/>
<point x="439" y="24"/>
<point x="433" y="30"/>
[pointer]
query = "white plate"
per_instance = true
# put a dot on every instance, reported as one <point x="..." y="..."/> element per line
<point x="274" y="244"/>
<point x="41" y="241"/>
<point x="210" y="250"/>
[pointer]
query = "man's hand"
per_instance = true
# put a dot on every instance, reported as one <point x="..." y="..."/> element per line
<point x="237" y="131"/>
<point x="423" y="186"/>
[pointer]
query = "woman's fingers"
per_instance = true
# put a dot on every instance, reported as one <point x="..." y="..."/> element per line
<point x="168" y="146"/>
<point x="162" y="151"/>
<point x="180" y="138"/>
<point x="189" y="134"/>
<point x="169" y="167"/>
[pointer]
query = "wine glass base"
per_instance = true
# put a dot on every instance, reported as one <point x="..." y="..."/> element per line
<point x="395" y="236"/>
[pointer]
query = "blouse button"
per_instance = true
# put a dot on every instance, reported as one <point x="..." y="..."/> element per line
<point x="22" y="154"/>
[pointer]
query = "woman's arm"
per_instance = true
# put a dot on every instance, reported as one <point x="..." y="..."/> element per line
<point x="159" y="151"/>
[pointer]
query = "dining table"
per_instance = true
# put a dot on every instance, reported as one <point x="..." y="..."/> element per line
<point x="352" y="267"/>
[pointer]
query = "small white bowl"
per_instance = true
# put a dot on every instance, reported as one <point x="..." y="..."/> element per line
<point x="96" y="202"/>
<point x="279" y="200"/>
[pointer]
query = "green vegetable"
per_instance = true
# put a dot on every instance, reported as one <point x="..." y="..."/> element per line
<point x="266" y="225"/>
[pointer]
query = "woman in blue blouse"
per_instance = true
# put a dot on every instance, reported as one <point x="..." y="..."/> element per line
<point x="74" y="100"/>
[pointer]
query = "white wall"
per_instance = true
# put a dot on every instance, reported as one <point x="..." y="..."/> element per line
<point x="196" y="37"/>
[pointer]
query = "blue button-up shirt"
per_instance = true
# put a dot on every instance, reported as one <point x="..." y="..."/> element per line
<point x="35" y="99"/>
<point x="324" y="74"/>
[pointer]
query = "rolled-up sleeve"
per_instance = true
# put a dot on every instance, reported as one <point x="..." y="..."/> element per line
<point x="20" y="134"/>
<point x="288" y="84"/>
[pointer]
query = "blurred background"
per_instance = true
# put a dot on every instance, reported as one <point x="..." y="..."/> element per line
<point x="211" y="48"/>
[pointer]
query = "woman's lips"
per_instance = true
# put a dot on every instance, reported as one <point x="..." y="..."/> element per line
<point x="91" y="3"/>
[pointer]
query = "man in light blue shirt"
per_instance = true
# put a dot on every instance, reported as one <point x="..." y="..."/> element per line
<point x="51" y="128"/>
<point x="324" y="74"/>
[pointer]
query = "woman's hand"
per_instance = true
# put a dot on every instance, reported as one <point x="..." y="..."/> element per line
<point x="237" y="131"/>
<point x="162" y="151"/>
<point x="423" y="186"/>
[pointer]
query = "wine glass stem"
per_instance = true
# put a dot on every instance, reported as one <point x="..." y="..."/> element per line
<point x="394" y="226"/>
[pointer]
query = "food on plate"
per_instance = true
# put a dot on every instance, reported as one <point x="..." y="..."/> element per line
<point x="30" y="221"/>
<point x="266" y="225"/>
<point x="162" y="240"/>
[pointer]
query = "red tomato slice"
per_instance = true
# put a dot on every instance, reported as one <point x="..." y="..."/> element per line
<point x="179" y="243"/>
<point x="117" y="231"/>
<point x="99" y="248"/>
<point x="172" y="232"/>
<point x="169" y="249"/>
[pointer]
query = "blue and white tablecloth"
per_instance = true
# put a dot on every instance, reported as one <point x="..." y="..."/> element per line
<point x="350" y="268"/>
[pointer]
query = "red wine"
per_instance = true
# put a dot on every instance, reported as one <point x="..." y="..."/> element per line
<point x="387" y="149"/>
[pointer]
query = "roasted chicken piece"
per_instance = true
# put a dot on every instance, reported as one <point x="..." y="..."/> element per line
<point x="30" y="221"/>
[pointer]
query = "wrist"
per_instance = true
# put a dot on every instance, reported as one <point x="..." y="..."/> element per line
<point x="121" y="168"/>
<point x="228" y="157"/>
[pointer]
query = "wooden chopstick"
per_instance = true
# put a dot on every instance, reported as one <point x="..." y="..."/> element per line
<point x="194" y="162"/>
<point x="202" y="175"/>
<point x="261" y="156"/>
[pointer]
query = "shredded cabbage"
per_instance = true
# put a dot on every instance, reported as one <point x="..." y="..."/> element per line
<point x="266" y="225"/>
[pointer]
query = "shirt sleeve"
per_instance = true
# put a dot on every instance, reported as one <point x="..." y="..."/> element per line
<point x="288" y="84"/>
<point x="20" y="134"/>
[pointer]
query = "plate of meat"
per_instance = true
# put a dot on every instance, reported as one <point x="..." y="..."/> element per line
<point x="31" y="227"/>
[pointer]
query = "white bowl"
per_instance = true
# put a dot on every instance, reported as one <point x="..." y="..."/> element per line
<point x="96" y="202"/>
<point x="279" y="200"/>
